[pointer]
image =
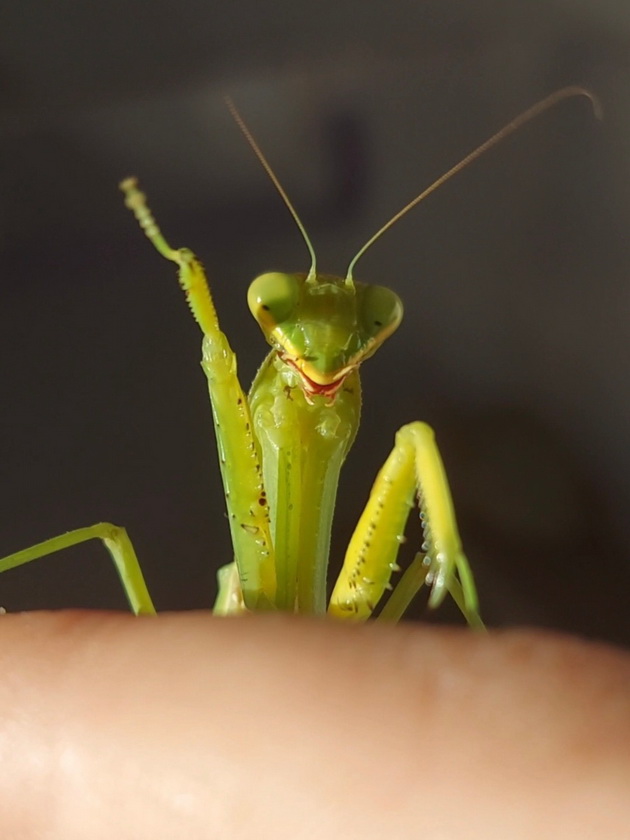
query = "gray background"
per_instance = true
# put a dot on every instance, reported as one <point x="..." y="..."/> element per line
<point x="515" y="276"/>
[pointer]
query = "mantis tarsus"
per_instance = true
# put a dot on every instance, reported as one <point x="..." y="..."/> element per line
<point x="281" y="448"/>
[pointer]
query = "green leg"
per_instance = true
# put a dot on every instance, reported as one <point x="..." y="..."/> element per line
<point x="118" y="544"/>
<point x="471" y="614"/>
<point x="411" y="583"/>
<point x="230" y="595"/>
<point x="414" y="467"/>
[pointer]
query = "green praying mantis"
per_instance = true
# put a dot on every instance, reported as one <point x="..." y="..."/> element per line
<point x="281" y="447"/>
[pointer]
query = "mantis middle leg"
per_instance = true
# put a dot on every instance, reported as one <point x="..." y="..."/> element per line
<point x="116" y="541"/>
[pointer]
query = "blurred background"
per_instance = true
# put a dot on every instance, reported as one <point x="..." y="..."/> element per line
<point x="515" y="276"/>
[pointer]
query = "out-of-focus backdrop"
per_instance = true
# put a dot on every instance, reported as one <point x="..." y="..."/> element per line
<point x="515" y="275"/>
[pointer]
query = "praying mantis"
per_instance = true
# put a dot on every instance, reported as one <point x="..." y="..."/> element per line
<point x="282" y="446"/>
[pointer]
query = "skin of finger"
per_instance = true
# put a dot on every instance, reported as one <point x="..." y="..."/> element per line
<point x="272" y="727"/>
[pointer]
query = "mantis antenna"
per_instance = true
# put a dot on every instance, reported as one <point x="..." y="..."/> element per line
<point x="510" y="128"/>
<point x="312" y="274"/>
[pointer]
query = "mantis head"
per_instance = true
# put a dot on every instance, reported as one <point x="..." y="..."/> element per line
<point x="323" y="326"/>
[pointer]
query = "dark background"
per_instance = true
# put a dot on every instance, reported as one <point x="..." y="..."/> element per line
<point x="515" y="276"/>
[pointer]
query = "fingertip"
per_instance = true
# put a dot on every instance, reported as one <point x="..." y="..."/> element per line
<point x="274" y="726"/>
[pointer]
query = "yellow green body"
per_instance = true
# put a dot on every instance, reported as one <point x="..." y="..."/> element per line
<point x="282" y="446"/>
<point x="281" y="449"/>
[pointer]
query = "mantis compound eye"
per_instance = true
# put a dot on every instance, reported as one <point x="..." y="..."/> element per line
<point x="272" y="297"/>
<point x="380" y="312"/>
